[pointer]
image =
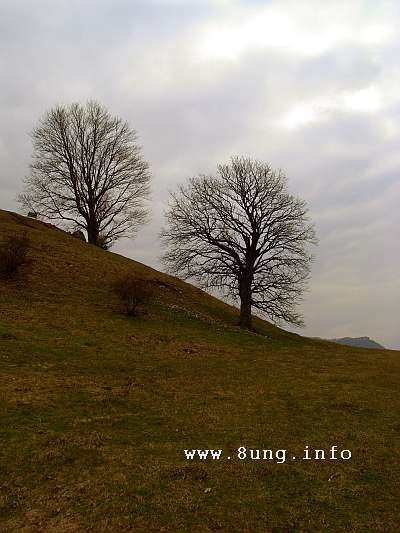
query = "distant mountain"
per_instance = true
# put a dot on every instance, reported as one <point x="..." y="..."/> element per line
<point x="362" y="342"/>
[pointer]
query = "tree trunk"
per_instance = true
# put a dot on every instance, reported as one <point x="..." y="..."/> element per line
<point x="245" y="303"/>
<point x="93" y="233"/>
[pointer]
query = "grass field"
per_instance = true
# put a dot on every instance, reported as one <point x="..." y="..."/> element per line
<point x="97" y="409"/>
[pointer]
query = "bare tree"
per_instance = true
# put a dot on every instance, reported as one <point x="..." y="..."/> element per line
<point x="242" y="232"/>
<point x="87" y="171"/>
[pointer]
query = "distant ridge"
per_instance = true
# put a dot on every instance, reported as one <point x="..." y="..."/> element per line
<point x="362" y="342"/>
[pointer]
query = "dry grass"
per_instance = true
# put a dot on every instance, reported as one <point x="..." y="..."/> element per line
<point x="96" y="409"/>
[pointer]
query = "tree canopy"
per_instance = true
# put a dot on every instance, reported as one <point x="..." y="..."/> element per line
<point x="243" y="233"/>
<point x="88" y="172"/>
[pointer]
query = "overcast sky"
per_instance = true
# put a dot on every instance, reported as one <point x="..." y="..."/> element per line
<point x="309" y="86"/>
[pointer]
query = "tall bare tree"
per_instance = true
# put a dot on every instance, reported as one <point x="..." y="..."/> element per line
<point x="243" y="233"/>
<point x="87" y="171"/>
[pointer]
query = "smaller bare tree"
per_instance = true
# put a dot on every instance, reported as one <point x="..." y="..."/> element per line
<point x="132" y="292"/>
<point x="14" y="254"/>
<point x="242" y="232"/>
<point x="87" y="171"/>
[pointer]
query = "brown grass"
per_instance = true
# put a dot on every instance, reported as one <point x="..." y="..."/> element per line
<point x="96" y="409"/>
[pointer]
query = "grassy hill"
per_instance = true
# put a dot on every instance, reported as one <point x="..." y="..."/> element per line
<point x="97" y="409"/>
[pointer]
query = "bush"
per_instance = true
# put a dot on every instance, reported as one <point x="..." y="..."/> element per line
<point x="13" y="254"/>
<point x="132" y="293"/>
<point x="103" y="242"/>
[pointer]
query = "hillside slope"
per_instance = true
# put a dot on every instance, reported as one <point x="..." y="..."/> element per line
<point x="98" y="408"/>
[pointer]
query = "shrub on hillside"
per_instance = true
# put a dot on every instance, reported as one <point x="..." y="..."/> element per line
<point x="13" y="254"/>
<point x="78" y="234"/>
<point x="103" y="242"/>
<point x="132" y="293"/>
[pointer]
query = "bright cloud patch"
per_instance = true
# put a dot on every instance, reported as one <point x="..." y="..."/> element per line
<point x="308" y="28"/>
<point x="367" y="100"/>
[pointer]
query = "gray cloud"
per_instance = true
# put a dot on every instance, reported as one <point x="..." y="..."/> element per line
<point x="201" y="81"/>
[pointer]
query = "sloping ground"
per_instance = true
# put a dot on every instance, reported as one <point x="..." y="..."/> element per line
<point x="98" y="408"/>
